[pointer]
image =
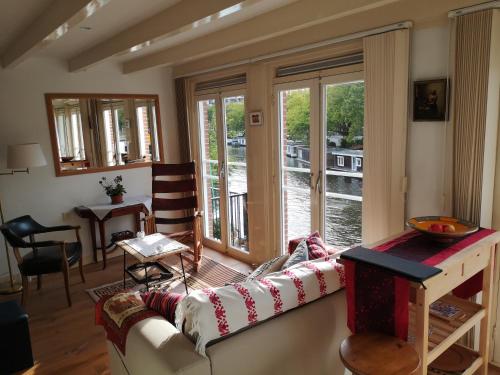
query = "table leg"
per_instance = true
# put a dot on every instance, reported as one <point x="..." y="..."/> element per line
<point x="484" y="330"/>
<point x="92" y="235"/>
<point x="102" y="234"/>
<point x="184" y="274"/>
<point x="422" y="328"/>
<point x="124" y="267"/>
<point x="137" y="217"/>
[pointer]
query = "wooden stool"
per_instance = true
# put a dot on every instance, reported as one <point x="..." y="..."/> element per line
<point x="377" y="354"/>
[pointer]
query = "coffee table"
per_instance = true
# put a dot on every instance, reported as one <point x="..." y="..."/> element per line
<point x="148" y="251"/>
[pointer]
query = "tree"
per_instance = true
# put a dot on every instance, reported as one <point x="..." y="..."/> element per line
<point x="345" y="110"/>
<point x="298" y="115"/>
<point x="212" y="133"/>
<point x="235" y="119"/>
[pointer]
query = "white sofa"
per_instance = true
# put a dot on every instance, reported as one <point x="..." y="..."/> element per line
<point x="305" y="340"/>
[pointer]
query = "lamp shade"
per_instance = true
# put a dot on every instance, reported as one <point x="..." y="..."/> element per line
<point x="24" y="156"/>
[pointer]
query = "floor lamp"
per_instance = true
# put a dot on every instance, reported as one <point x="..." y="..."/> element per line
<point x="20" y="158"/>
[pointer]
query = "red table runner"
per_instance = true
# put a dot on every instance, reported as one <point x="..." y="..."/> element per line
<point x="378" y="301"/>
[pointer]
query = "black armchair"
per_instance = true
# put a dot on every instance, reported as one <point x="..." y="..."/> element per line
<point x="46" y="256"/>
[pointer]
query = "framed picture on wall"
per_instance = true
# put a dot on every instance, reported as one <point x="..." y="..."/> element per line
<point x="255" y="118"/>
<point x="430" y="100"/>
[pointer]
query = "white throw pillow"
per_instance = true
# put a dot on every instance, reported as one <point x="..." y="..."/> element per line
<point x="268" y="267"/>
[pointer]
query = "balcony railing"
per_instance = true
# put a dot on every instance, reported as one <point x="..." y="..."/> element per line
<point x="238" y="218"/>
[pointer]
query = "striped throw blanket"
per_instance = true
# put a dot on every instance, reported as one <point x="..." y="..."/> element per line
<point x="213" y="313"/>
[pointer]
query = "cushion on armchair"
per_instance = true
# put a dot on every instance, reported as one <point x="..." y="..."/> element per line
<point x="48" y="259"/>
<point x="215" y="313"/>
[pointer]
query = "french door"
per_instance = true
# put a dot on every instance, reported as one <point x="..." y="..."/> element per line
<point x="321" y="158"/>
<point x="223" y="161"/>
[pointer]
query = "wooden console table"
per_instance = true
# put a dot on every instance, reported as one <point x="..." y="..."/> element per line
<point x="102" y="213"/>
<point x="457" y="269"/>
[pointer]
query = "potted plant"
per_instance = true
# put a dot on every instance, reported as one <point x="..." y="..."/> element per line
<point x="114" y="189"/>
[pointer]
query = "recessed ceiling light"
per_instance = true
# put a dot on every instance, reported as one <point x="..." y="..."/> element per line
<point x="87" y="28"/>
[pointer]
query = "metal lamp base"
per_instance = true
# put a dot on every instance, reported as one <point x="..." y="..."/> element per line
<point x="7" y="289"/>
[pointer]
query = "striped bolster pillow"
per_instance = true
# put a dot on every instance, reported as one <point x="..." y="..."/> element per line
<point x="163" y="302"/>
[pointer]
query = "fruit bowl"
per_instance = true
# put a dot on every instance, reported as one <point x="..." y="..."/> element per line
<point x="442" y="227"/>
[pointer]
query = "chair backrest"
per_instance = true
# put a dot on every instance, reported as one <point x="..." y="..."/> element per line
<point x="16" y="229"/>
<point x="182" y="181"/>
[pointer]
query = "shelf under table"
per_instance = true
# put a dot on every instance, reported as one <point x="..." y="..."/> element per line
<point x="473" y="364"/>
<point x="443" y="332"/>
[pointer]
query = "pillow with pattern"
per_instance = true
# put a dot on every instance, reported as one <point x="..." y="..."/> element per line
<point x="268" y="267"/>
<point x="316" y="246"/>
<point x="301" y="254"/>
<point x="163" y="302"/>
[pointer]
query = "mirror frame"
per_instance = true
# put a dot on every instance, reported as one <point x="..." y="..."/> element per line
<point x="53" y="136"/>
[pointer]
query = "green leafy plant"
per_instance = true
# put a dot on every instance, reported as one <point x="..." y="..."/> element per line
<point x="114" y="187"/>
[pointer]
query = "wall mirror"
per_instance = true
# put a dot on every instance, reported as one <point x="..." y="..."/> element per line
<point x="98" y="132"/>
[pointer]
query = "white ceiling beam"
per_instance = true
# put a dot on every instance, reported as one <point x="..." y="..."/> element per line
<point x="184" y="13"/>
<point x="423" y="14"/>
<point x="299" y="15"/>
<point x="53" y="23"/>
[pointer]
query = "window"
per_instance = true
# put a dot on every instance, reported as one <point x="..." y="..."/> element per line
<point x="320" y="188"/>
<point x="221" y="122"/>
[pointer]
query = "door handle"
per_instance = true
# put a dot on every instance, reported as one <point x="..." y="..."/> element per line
<point x="317" y="185"/>
<point x="222" y="172"/>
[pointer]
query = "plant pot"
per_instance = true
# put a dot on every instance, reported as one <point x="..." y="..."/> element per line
<point x="117" y="199"/>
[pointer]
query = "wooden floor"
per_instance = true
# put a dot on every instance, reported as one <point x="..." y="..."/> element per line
<point x="494" y="371"/>
<point x="66" y="340"/>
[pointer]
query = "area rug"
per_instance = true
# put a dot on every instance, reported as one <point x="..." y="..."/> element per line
<point x="210" y="274"/>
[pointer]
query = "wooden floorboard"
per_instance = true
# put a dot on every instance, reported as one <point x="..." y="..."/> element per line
<point x="65" y="339"/>
<point x="493" y="370"/>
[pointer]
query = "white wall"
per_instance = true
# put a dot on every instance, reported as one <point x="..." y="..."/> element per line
<point x="23" y="118"/>
<point x="426" y="140"/>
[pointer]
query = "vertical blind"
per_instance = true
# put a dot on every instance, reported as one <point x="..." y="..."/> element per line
<point x="386" y="60"/>
<point x="472" y="58"/>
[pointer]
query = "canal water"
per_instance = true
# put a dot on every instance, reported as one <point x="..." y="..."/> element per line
<point x="343" y="217"/>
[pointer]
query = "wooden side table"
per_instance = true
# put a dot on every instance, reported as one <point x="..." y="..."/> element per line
<point x="430" y="342"/>
<point x="378" y="354"/>
<point x="123" y="209"/>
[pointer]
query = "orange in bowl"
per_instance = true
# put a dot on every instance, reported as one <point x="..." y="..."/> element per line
<point x="443" y="227"/>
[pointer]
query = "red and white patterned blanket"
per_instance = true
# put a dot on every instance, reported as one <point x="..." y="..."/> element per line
<point x="212" y="313"/>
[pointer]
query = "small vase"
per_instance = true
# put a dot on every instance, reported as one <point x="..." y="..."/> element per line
<point x="117" y="199"/>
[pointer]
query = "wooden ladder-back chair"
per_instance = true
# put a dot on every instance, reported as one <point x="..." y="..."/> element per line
<point x="177" y="194"/>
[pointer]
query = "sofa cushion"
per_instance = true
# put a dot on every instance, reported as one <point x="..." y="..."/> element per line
<point x="268" y="267"/>
<point x="317" y="248"/>
<point x="163" y="302"/>
<point x="301" y="254"/>
<point x="214" y="313"/>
